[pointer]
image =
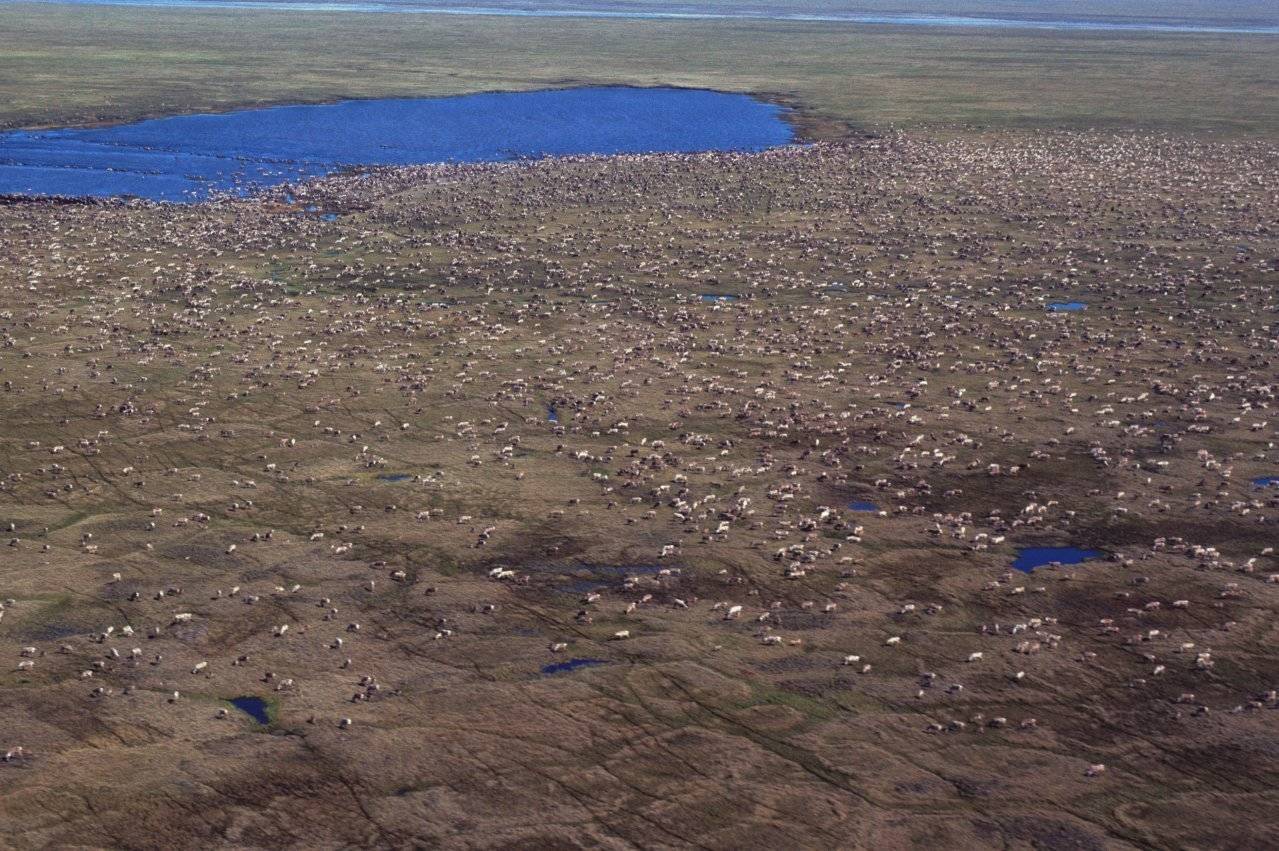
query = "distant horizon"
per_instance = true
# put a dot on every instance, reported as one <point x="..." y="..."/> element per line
<point x="1186" y="18"/>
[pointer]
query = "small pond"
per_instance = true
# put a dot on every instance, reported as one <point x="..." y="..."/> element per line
<point x="254" y="707"/>
<point x="1029" y="558"/>
<point x="571" y="665"/>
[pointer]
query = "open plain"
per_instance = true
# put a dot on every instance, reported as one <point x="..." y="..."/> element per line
<point x="660" y="501"/>
<point x="69" y="64"/>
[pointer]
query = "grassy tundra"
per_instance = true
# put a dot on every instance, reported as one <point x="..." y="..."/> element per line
<point x="75" y="65"/>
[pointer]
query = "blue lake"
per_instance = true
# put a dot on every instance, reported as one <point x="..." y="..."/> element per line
<point x="1067" y="306"/>
<point x="862" y="505"/>
<point x="1266" y="481"/>
<point x="712" y="298"/>
<point x="189" y="157"/>
<point x="254" y="707"/>
<point x="1029" y="558"/>
<point x="395" y="477"/>
<point x="571" y="665"/>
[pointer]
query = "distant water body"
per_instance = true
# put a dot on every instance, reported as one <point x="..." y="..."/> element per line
<point x="190" y="157"/>
<point x="904" y="20"/>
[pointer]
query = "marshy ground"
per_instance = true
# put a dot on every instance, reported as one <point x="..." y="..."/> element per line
<point x="751" y="585"/>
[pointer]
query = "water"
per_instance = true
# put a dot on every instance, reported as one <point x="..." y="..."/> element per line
<point x="862" y="505"/>
<point x="1029" y="558"/>
<point x="1266" y="481"/>
<point x="1067" y="306"/>
<point x="571" y="665"/>
<point x="695" y="14"/>
<point x="188" y="157"/>
<point x="551" y="415"/>
<point x="255" y="707"/>
<point x="712" y="298"/>
<point x="49" y="631"/>
<point x="395" y="477"/>
<point x="581" y="579"/>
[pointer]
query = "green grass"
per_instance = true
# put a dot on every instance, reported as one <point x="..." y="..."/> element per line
<point x="74" y="65"/>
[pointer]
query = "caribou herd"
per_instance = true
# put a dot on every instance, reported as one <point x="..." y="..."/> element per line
<point x="388" y="471"/>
